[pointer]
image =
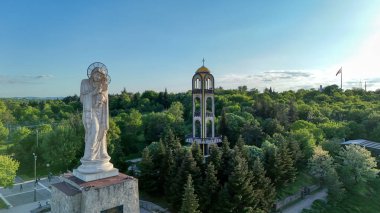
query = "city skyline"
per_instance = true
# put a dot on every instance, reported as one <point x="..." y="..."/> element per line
<point x="47" y="47"/>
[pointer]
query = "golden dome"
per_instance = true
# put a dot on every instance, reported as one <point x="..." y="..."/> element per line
<point x="202" y="69"/>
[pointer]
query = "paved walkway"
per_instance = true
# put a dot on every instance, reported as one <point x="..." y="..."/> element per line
<point x="306" y="202"/>
<point x="23" y="208"/>
<point x="20" y="197"/>
<point x="23" y="192"/>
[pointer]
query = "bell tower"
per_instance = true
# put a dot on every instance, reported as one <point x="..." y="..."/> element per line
<point x="203" y="110"/>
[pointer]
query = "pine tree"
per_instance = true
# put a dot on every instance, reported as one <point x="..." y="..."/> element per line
<point x="295" y="151"/>
<point x="189" y="198"/>
<point x="188" y="167"/>
<point x="168" y="169"/>
<point x="223" y="128"/>
<point x="284" y="166"/>
<point x="209" y="190"/>
<point x="170" y="140"/>
<point x="148" y="176"/>
<point x="159" y="162"/>
<point x="215" y="156"/>
<point x="166" y="99"/>
<point x="239" y="185"/>
<point x="197" y="154"/>
<point x="223" y="204"/>
<point x="240" y="143"/>
<point x="292" y="113"/>
<point x="264" y="190"/>
<point x="269" y="151"/>
<point x="226" y="163"/>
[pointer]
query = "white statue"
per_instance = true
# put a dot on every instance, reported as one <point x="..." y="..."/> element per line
<point x="94" y="97"/>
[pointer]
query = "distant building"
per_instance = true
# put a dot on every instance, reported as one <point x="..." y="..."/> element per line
<point x="203" y="110"/>
<point x="372" y="146"/>
<point x="320" y="88"/>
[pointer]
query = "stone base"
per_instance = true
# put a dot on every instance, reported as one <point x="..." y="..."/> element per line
<point x="95" y="166"/>
<point x="95" y="176"/>
<point x="114" y="194"/>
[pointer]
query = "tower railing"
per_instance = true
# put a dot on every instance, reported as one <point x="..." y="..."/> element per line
<point x="207" y="91"/>
<point x="197" y="91"/>
<point x="199" y="140"/>
<point x="208" y="114"/>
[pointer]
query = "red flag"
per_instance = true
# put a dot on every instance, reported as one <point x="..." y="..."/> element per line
<point x="339" y="71"/>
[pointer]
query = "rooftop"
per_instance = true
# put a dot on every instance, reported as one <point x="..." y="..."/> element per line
<point x="364" y="143"/>
<point x="202" y="69"/>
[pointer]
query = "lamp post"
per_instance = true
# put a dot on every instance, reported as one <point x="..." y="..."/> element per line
<point x="35" y="177"/>
<point x="37" y="137"/>
<point x="47" y="166"/>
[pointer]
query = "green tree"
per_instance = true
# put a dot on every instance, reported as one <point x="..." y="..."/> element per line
<point x="215" y="156"/>
<point x="20" y="134"/>
<point x="63" y="147"/>
<point x="226" y="163"/>
<point x="284" y="166"/>
<point x="272" y="126"/>
<point x="8" y="169"/>
<point x="269" y="154"/>
<point x="252" y="133"/>
<point x="3" y="132"/>
<point x="149" y="175"/>
<point x="209" y="190"/>
<point x="187" y="167"/>
<point x="306" y="143"/>
<point x="263" y="188"/>
<point x="197" y="154"/>
<point x="332" y="146"/>
<point x="335" y="129"/>
<point x="239" y="185"/>
<point x="312" y="128"/>
<point x="356" y="165"/>
<point x="321" y="165"/>
<point x="154" y="125"/>
<point x="114" y="145"/>
<point x="224" y="203"/>
<point x="189" y="198"/>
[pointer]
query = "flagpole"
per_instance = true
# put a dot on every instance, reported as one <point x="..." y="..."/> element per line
<point x="341" y="79"/>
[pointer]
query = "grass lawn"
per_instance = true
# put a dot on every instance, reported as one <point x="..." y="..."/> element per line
<point x="2" y="204"/>
<point x="303" y="179"/>
<point x="361" y="199"/>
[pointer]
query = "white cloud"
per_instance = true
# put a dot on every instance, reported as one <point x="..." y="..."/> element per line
<point x="24" y="79"/>
<point x="278" y="79"/>
<point x="362" y="66"/>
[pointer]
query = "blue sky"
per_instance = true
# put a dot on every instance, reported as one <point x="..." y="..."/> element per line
<point x="46" y="46"/>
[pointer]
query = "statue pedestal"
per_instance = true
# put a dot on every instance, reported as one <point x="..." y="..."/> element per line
<point x="95" y="170"/>
<point x="95" y="176"/>
<point x="113" y="194"/>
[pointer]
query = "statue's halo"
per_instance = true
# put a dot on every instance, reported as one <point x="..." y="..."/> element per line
<point x="95" y="65"/>
<point x="102" y="68"/>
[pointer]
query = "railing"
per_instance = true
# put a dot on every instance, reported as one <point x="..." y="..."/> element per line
<point x="198" y="91"/>
<point x="299" y="195"/>
<point x="208" y="114"/>
<point x="208" y="140"/>
<point x="209" y="91"/>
